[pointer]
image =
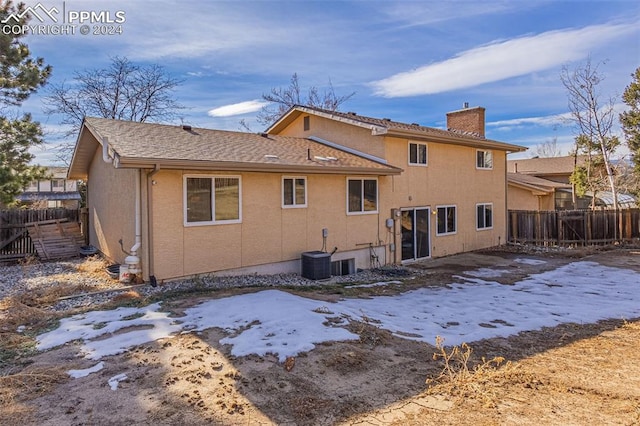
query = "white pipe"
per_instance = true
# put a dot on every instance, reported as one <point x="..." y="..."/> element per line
<point x="105" y="151"/>
<point x="138" y="240"/>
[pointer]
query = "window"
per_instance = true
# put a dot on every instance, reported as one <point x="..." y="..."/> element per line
<point x="446" y="220"/>
<point x="417" y="153"/>
<point x="484" y="216"/>
<point x="212" y="200"/>
<point x="294" y="192"/>
<point x="57" y="184"/>
<point x="306" y="123"/>
<point x="362" y="196"/>
<point x="484" y="159"/>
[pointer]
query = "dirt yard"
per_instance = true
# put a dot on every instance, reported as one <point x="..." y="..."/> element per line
<point x="573" y="374"/>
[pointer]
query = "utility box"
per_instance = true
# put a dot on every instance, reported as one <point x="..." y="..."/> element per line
<point x="316" y="265"/>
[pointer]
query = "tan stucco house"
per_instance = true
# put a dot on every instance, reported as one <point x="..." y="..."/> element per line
<point x="543" y="184"/>
<point x="187" y="201"/>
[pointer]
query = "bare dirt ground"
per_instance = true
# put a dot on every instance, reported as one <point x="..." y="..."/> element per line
<point x="571" y="374"/>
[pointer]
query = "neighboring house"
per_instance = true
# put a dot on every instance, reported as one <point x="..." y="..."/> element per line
<point x="544" y="184"/>
<point x="527" y="192"/>
<point x="57" y="191"/>
<point x="372" y="191"/>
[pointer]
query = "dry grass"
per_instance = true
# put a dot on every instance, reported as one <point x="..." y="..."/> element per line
<point x="92" y="265"/>
<point x="23" y="386"/>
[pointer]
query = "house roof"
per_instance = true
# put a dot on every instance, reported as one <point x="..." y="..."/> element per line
<point x="145" y="145"/>
<point x="546" y="166"/>
<point x="388" y="127"/>
<point x="534" y="184"/>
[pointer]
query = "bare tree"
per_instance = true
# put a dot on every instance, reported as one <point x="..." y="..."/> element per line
<point x="548" y="148"/>
<point x="122" y="91"/>
<point x="594" y="121"/>
<point x="281" y="99"/>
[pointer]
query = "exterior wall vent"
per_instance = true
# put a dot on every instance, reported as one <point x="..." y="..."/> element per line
<point x="186" y="127"/>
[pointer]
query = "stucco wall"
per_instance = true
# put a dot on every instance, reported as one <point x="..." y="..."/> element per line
<point x="450" y="178"/>
<point x="341" y="133"/>
<point x="268" y="233"/>
<point x="111" y="205"/>
<point x="523" y="199"/>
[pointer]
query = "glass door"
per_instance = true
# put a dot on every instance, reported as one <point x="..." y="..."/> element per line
<point x="415" y="233"/>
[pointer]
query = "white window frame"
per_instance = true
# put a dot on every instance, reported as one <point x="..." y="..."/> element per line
<point x="294" y="205"/>
<point x="483" y="166"/>
<point x="426" y="149"/>
<point x="213" y="220"/>
<point x="455" y="221"/>
<point x="484" y="205"/>
<point x="360" y="212"/>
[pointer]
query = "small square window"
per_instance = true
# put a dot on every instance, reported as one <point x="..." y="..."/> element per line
<point x="417" y="153"/>
<point x="362" y="195"/>
<point x="294" y="192"/>
<point x="484" y="159"/>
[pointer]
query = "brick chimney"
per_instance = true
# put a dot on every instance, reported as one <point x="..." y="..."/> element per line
<point x="467" y="120"/>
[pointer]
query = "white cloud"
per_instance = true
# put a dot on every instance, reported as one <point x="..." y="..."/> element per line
<point x="501" y="60"/>
<point x="549" y="120"/>
<point x="237" y="109"/>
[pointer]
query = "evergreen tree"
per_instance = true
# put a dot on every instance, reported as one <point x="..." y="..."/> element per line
<point x="20" y="76"/>
<point x="630" y="119"/>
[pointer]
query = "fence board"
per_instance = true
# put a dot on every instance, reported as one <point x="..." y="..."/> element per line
<point x="15" y="242"/>
<point x="573" y="227"/>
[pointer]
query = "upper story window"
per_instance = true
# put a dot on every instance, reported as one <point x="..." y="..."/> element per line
<point x="446" y="220"/>
<point x="484" y="216"/>
<point x="210" y="200"/>
<point x="484" y="159"/>
<point x="362" y="196"/>
<point x="57" y="184"/>
<point x="417" y="153"/>
<point x="294" y="192"/>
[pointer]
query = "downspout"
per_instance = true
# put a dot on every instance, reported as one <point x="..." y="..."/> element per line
<point x="150" y="184"/>
<point x="133" y="260"/>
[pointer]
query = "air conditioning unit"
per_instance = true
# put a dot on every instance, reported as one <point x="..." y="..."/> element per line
<point x="316" y="265"/>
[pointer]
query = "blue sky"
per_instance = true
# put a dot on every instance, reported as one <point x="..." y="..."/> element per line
<point x="411" y="61"/>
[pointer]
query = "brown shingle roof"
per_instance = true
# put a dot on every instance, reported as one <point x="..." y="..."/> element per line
<point x="381" y="126"/>
<point x="533" y="182"/>
<point x="145" y="144"/>
<point x="545" y="166"/>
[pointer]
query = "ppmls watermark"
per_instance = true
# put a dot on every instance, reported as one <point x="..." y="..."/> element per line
<point x="64" y="21"/>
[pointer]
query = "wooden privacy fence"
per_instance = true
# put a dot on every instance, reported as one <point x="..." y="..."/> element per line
<point x="15" y="241"/>
<point x="574" y="227"/>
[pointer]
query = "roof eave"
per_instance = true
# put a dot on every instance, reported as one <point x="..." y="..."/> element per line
<point x="146" y="163"/>
<point x="455" y="140"/>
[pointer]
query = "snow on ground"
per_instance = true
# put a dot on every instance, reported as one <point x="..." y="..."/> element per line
<point x="273" y="321"/>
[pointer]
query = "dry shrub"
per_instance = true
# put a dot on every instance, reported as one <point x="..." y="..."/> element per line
<point x="459" y="378"/>
<point x="370" y="334"/>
